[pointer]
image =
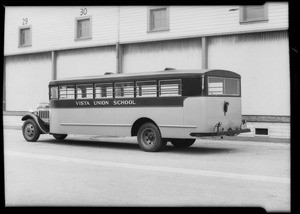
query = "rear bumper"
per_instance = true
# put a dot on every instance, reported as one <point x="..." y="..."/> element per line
<point x="227" y="133"/>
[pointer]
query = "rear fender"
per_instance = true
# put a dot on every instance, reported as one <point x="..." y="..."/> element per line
<point x="44" y="129"/>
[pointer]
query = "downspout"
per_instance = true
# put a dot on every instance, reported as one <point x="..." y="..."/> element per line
<point x="53" y="66"/>
<point x="204" y="53"/>
<point x="204" y="61"/>
<point x="4" y="84"/>
<point x="118" y="46"/>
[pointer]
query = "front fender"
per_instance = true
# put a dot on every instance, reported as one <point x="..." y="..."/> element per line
<point x="44" y="129"/>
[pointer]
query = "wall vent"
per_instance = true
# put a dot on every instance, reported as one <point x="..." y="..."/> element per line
<point x="261" y="131"/>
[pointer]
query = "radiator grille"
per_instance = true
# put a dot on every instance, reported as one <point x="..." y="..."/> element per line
<point x="44" y="115"/>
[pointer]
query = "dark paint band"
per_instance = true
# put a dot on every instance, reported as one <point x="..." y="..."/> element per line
<point x="124" y="102"/>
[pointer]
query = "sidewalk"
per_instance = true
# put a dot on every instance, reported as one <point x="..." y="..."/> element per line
<point x="15" y="122"/>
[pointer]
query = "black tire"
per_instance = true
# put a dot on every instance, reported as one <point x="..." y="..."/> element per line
<point x="149" y="138"/>
<point x="183" y="143"/>
<point x="30" y="130"/>
<point x="60" y="136"/>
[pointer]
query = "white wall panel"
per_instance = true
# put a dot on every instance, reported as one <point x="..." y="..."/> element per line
<point x="263" y="62"/>
<point x="27" y="79"/>
<point x="86" y="62"/>
<point x="154" y="56"/>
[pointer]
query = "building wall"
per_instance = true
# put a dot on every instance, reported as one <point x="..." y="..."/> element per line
<point x="27" y="78"/>
<point x="86" y="62"/>
<point x="155" y="56"/>
<point x="53" y="27"/>
<point x="275" y="130"/>
<point x="262" y="59"/>
<point x="188" y="21"/>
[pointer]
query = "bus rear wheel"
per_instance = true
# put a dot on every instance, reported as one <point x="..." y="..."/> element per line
<point x="30" y="130"/>
<point x="60" y="136"/>
<point x="183" y="143"/>
<point x="149" y="138"/>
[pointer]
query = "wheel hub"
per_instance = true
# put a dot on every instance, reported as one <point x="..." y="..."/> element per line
<point x="149" y="137"/>
<point x="29" y="130"/>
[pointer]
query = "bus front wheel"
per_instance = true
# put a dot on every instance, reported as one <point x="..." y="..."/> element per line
<point x="183" y="143"/>
<point x="30" y="130"/>
<point x="149" y="138"/>
<point x="60" y="136"/>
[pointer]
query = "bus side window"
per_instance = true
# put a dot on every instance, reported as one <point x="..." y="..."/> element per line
<point x="104" y="90"/>
<point x="85" y="91"/>
<point x="146" y="89"/>
<point x="67" y="92"/>
<point x="124" y="89"/>
<point x="170" y="88"/>
<point x="215" y="86"/>
<point x="232" y="86"/>
<point x="223" y="86"/>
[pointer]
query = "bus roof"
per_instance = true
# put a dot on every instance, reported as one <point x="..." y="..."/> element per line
<point x="172" y="73"/>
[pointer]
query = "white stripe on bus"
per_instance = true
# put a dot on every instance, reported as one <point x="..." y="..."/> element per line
<point x="92" y="124"/>
<point x="206" y="173"/>
<point x="98" y="124"/>
<point x="177" y="126"/>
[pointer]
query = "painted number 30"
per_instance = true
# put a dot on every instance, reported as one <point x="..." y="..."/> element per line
<point x="83" y="11"/>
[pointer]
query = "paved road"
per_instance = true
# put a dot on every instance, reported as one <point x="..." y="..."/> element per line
<point x="93" y="171"/>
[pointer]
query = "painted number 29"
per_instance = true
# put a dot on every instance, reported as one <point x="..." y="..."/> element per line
<point x="83" y="11"/>
<point x="25" y="21"/>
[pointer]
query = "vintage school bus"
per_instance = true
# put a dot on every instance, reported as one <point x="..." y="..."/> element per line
<point x="171" y="105"/>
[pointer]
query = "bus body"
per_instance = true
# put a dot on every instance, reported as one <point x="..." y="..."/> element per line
<point x="176" y="105"/>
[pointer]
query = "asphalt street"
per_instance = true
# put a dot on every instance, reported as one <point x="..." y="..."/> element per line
<point x="95" y="171"/>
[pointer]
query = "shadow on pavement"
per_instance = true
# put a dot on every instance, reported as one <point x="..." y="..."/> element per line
<point x="197" y="148"/>
<point x="93" y="143"/>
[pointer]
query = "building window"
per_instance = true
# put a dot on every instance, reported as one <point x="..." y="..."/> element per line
<point x="253" y="13"/>
<point x="261" y="131"/>
<point x="158" y="19"/>
<point x="25" y="36"/>
<point x="83" y="28"/>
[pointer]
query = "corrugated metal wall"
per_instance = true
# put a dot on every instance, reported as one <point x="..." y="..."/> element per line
<point x="27" y="78"/>
<point x="86" y="62"/>
<point x="262" y="59"/>
<point x="154" y="56"/>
